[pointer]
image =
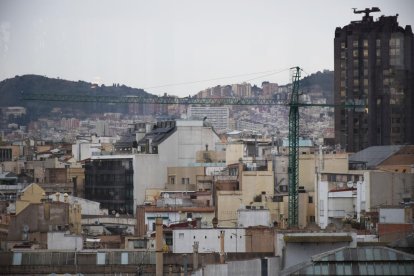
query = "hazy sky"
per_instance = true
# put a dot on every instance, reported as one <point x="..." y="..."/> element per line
<point x="151" y="43"/>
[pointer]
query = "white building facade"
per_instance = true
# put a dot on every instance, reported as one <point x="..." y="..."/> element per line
<point x="209" y="240"/>
<point x="218" y="116"/>
<point x="344" y="196"/>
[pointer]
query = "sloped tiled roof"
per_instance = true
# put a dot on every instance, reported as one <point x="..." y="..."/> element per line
<point x="374" y="260"/>
<point x="158" y="135"/>
<point x="375" y="155"/>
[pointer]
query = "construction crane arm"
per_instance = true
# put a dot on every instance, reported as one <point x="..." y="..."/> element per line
<point x="176" y="100"/>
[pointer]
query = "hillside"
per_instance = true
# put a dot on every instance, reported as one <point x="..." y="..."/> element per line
<point x="11" y="91"/>
<point x="319" y="82"/>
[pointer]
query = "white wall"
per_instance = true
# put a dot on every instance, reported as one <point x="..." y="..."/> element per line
<point x="341" y="204"/>
<point x="323" y="204"/>
<point x="62" y="241"/>
<point x="295" y="253"/>
<point x="246" y="218"/>
<point x="178" y="150"/>
<point x="83" y="150"/>
<point x="149" y="173"/>
<point x="167" y="218"/>
<point x="88" y="207"/>
<point x="209" y="240"/>
<point x="394" y="215"/>
<point x="361" y="203"/>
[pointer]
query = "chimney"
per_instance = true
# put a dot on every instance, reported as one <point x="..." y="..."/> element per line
<point x="195" y="256"/>
<point x="222" y="246"/>
<point x="159" y="264"/>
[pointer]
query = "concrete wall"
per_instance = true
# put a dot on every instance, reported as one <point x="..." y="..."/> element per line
<point x="209" y="240"/>
<point x="216" y="269"/>
<point x="83" y="150"/>
<point x="247" y="217"/>
<point x="149" y="173"/>
<point x="178" y="150"/>
<point x="250" y="267"/>
<point x="392" y="215"/>
<point x="387" y="188"/>
<point x="228" y="202"/>
<point x="178" y="173"/>
<point x="88" y="207"/>
<point x="40" y="218"/>
<point x="389" y="232"/>
<point x="255" y="183"/>
<point x="234" y="152"/>
<point x="260" y="239"/>
<point x="31" y="194"/>
<point x="62" y="241"/>
<point x="247" y="267"/>
<point x="296" y="252"/>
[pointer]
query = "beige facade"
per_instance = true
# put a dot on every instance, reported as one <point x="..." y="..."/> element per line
<point x="210" y="156"/>
<point x="183" y="178"/>
<point x="15" y="151"/>
<point x="258" y="186"/>
<point x="234" y="152"/>
<point x="75" y="219"/>
<point x="227" y="204"/>
<point x="31" y="194"/>
<point x="76" y="176"/>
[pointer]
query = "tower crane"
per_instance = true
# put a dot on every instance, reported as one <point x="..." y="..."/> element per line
<point x="294" y="104"/>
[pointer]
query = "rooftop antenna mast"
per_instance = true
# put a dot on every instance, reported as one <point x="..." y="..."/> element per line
<point x="367" y="11"/>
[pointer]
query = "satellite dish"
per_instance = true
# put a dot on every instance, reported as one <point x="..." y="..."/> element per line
<point x="26" y="228"/>
<point x="350" y="184"/>
<point x="166" y="195"/>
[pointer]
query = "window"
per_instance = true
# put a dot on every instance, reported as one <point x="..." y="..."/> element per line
<point x="311" y="218"/>
<point x="356" y="73"/>
<point x="283" y="188"/>
<point x="355" y="43"/>
<point x="355" y="53"/>
<point x="140" y="244"/>
<point x="185" y="181"/>
<point x="310" y="199"/>
<point x="277" y="198"/>
<point x="172" y="180"/>
<point x="356" y="82"/>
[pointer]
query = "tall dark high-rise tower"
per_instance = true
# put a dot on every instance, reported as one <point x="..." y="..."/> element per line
<point x="374" y="63"/>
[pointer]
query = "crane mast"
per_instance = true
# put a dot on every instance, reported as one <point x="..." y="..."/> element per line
<point x="293" y="167"/>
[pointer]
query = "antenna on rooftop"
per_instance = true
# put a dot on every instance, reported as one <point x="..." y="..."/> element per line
<point x="367" y="11"/>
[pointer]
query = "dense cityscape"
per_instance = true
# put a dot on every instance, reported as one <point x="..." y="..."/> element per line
<point x="182" y="187"/>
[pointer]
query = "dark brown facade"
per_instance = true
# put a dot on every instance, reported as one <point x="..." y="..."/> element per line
<point x="374" y="65"/>
<point x="38" y="219"/>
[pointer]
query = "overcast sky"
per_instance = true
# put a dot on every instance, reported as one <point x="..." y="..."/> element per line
<point x="172" y="47"/>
